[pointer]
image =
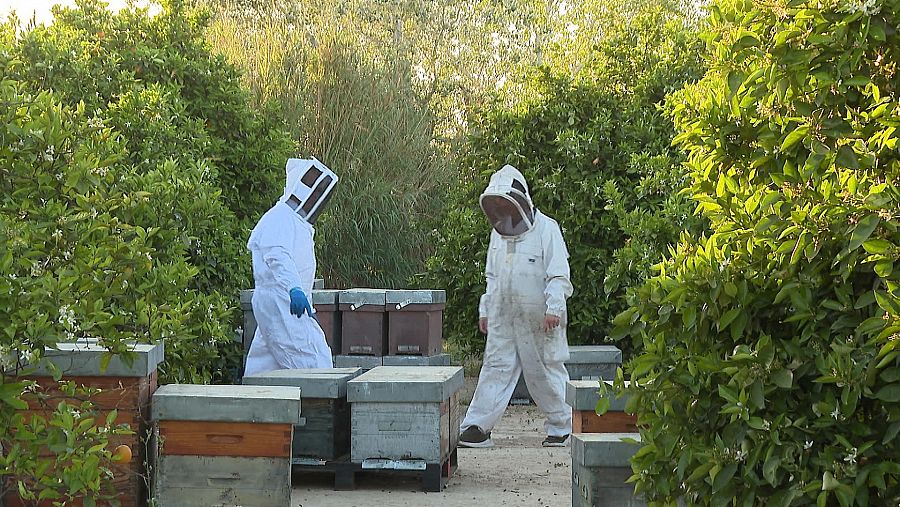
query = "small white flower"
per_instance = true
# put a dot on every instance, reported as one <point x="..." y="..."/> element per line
<point x="836" y="413"/>
<point x="59" y="176"/>
<point x="867" y="7"/>
<point x="808" y="445"/>
<point x="851" y="457"/>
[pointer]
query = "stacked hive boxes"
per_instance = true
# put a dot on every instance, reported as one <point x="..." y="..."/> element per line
<point x="366" y="328"/>
<point x="582" y="396"/>
<point x="224" y="445"/>
<point x="125" y="388"/>
<point x="600" y="467"/>
<point x="406" y="414"/>
<point x="324" y="431"/>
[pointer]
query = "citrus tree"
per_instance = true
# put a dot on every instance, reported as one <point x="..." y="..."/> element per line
<point x="771" y="367"/>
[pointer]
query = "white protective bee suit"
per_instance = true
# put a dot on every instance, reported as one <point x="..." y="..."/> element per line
<point x="527" y="276"/>
<point x="284" y="258"/>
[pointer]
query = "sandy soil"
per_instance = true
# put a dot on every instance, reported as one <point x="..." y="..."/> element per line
<point x="517" y="471"/>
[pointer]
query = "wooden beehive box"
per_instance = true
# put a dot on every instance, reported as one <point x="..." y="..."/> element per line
<point x="324" y="432"/>
<point x="582" y="396"/>
<point x="415" y="321"/>
<point x="329" y="316"/>
<point x="363" y="322"/>
<point x="226" y="446"/>
<point x="125" y="388"/>
<point x="600" y="467"/>
<point x="405" y="413"/>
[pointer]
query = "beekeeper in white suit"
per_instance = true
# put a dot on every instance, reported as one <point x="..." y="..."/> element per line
<point x="284" y="266"/>
<point x="523" y="313"/>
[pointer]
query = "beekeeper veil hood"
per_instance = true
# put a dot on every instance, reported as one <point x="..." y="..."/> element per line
<point x="309" y="186"/>
<point x="507" y="204"/>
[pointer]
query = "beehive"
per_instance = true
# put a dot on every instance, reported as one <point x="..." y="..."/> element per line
<point x="582" y="396"/>
<point x="363" y="322"/>
<point x="405" y="413"/>
<point x="329" y="317"/>
<point x="415" y="321"/>
<point x="600" y="467"/>
<point x="324" y="432"/>
<point x="124" y="388"/>
<point x="227" y="446"/>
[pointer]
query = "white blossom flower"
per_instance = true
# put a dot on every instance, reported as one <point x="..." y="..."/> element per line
<point x="851" y="457"/>
<point x="867" y="7"/>
<point x="808" y="445"/>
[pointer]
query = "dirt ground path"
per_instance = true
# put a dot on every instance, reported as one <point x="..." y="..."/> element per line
<point x="517" y="471"/>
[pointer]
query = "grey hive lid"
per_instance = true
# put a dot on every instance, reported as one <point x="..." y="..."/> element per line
<point x="435" y="360"/>
<point x="411" y="297"/>
<point x="582" y="395"/>
<point x="604" y="449"/>
<point x="406" y="384"/>
<point x="325" y="296"/>
<point x="260" y="404"/>
<point x="313" y="382"/>
<point x="362" y="296"/>
<point x="83" y="358"/>
<point x="594" y="354"/>
<point x="318" y="283"/>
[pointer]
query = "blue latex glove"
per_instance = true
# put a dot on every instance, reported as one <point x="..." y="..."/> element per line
<point x="299" y="303"/>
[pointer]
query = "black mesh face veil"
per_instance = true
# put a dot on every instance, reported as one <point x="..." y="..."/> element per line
<point x="524" y="204"/>
<point x="317" y="200"/>
<point x="311" y="175"/>
<point x="505" y="215"/>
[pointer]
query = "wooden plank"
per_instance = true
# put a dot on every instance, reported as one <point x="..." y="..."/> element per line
<point x="200" y="438"/>
<point x="586" y="421"/>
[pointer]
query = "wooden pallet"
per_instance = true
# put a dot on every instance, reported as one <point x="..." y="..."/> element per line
<point x="434" y="475"/>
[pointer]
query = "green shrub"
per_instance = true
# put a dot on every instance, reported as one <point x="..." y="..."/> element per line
<point x="71" y="266"/>
<point x="596" y="151"/>
<point x="771" y="371"/>
<point x="199" y="163"/>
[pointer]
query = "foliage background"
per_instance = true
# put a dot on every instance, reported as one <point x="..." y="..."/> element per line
<point x="770" y="372"/>
<point x="596" y="151"/>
